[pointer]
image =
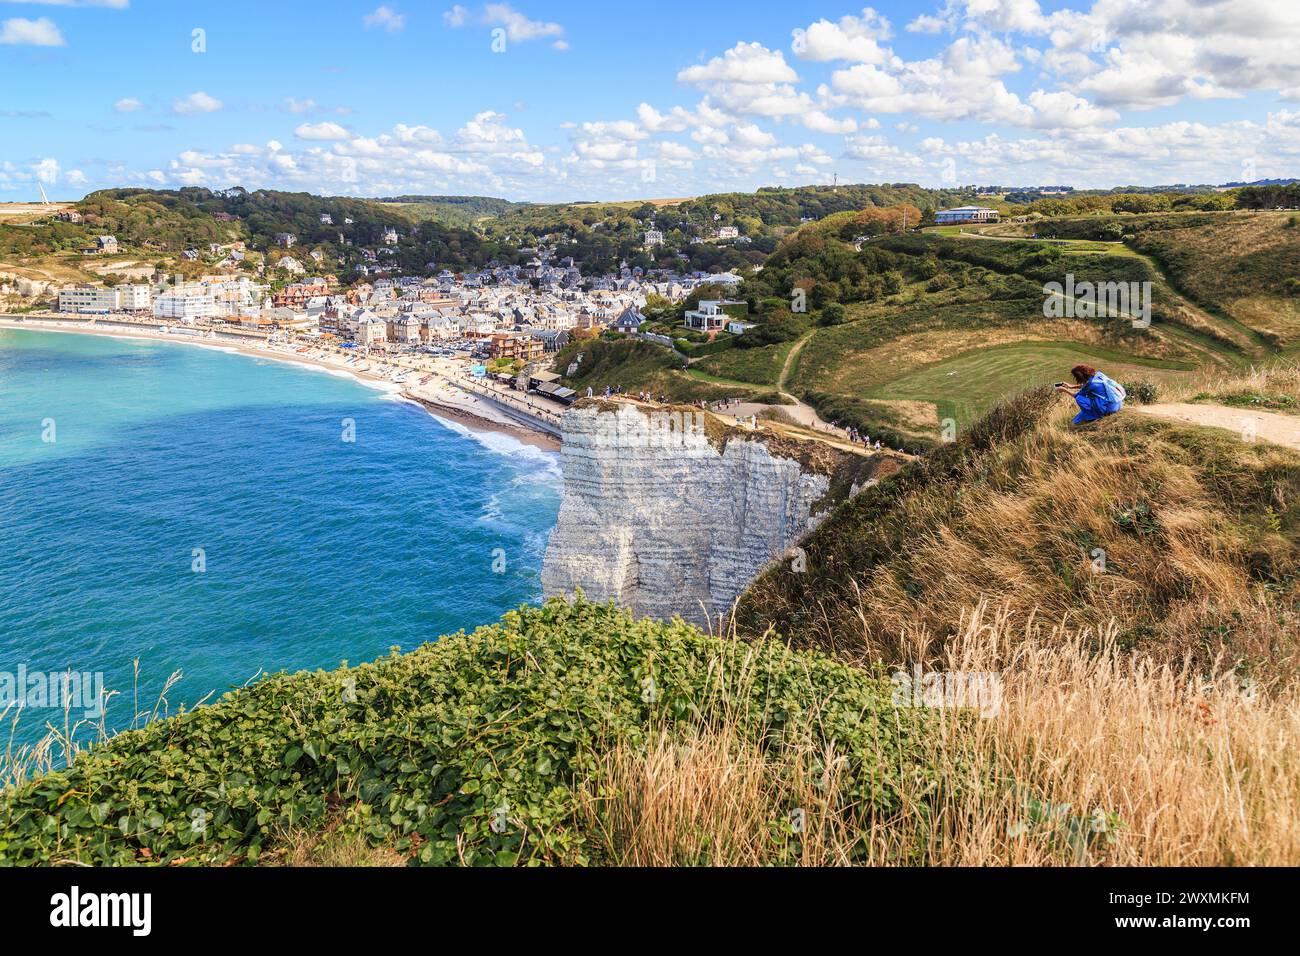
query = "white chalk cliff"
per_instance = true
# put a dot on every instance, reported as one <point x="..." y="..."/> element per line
<point x="659" y="518"/>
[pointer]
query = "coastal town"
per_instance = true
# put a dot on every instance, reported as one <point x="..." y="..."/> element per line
<point x="479" y="344"/>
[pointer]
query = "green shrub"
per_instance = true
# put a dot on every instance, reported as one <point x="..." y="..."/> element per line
<point x="419" y="751"/>
<point x="1142" y="391"/>
<point x="833" y="314"/>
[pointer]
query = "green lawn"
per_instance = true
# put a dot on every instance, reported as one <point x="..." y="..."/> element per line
<point x="760" y="366"/>
<point x="965" y="386"/>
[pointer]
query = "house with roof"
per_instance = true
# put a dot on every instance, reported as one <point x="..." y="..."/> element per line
<point x="628" y="322"/>
<point x="714" y="315"/>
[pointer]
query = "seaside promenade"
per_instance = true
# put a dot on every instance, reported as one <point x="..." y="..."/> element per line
<point x="440" y="384"/>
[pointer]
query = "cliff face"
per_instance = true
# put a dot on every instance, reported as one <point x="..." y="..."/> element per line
<point x="671" y="512"/>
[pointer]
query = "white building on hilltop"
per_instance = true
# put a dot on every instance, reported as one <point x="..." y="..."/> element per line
<point x="966" y="214"/>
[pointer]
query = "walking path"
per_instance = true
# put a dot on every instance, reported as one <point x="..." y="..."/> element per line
<point x="1268" y="426"/>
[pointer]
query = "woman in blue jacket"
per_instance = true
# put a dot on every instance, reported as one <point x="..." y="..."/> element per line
<point x="1096" y="394"/>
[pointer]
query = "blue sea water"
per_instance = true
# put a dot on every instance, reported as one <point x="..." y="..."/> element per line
<point x="315" y="550"/>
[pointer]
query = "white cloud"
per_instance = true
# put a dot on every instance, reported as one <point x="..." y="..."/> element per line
<point x="852" y="38"/>
<point x="1061" y="110"/>
<point x="819" y="122"/>
<point x="322" y="131"/>
<point x="927" y="24"/>
<point x="678" y="120"/>
<point x="47" y="171"/>
<point x="128" y="105"/>
<point x="519" y="29"/>
<point x="22" y="32"/>
<point x="385" y="18"/>
<point x="195" y="103"/>
<point x="745" y="63"/>
<point x="457" y="16"/>
<point x="618" y="129"/>
<point x="674" y="151"/>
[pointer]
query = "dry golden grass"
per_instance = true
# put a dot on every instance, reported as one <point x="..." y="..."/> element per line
<point x="711" y="799"/>
<point x="1271" y="380"/>
<point x="1169" y="532"/>
<point x="1096" y="756"/>
<point x="330" y="847"/>
<point x="1103" y="756"/>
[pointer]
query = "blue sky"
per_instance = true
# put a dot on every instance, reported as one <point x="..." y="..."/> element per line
<point x="547" y="100"/>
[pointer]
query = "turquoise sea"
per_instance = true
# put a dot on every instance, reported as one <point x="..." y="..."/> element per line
<point x="200" y="511"/>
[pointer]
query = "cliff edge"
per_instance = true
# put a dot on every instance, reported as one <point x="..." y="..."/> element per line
<point x="671" y="511"/>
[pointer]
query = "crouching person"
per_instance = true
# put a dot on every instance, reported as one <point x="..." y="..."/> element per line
<point x="1096" y="394"/>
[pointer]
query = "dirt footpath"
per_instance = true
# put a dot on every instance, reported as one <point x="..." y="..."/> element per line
<point x="1268" y="426"/>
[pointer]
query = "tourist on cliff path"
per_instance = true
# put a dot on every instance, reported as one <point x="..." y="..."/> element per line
<point x="1096" y="394"/>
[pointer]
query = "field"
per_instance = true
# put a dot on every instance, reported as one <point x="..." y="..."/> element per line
<point x="1235" y="265"/>
<point x="761" y="366"/>
<point x="17" y="213"/>
<point x="967" y="385"/>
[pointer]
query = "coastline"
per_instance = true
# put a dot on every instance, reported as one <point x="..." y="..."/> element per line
<point x="439" y="397"/>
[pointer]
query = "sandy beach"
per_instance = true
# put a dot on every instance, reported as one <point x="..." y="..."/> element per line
<point x="440" y="395"/>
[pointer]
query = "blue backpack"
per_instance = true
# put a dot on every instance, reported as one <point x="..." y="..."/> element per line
<point x="1113" y="394"/>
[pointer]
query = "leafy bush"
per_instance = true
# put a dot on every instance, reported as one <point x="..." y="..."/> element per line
<point x="833" y="314"/>
<point x="426" y="751"/>
<point x="1142" y="391"/>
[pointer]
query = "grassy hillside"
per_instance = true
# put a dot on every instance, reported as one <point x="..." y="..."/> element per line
<point x="453" y="210"/>
<point x="1238" y="265"/>
<point x="157" y="225"/>
<point x="643" y="366"/>
<point x="1187" y="539"/>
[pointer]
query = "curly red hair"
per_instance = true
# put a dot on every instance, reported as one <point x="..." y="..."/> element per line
<point x="1082" y="373"/>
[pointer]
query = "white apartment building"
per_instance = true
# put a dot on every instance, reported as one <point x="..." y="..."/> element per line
<point x="372" y="331"/>
<point x="134" y="298"/>
<point x="185" y="305"/>
<point x="87" y="300"/>
<point x="653" y="238"/>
